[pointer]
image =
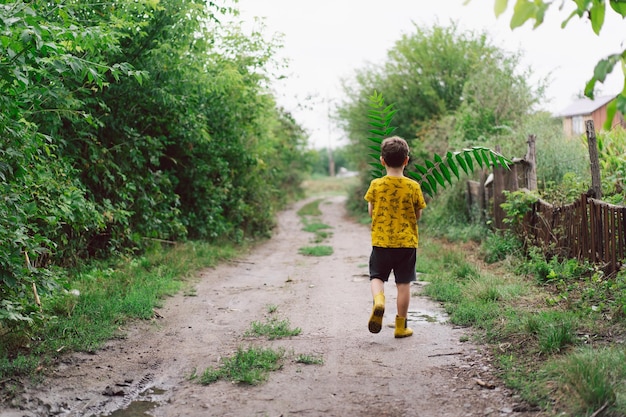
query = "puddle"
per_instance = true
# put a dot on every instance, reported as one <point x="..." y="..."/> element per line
<point x="426" y="316"/>
<point x="135" y="409"/>
<point x="149" y="399"/>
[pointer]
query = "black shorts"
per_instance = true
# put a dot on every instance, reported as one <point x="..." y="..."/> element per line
<point x="399" y="260"/>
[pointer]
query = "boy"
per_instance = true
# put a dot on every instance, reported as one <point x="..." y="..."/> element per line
<point x="395" y="204"/>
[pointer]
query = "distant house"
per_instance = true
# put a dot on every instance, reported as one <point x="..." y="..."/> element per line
<point x="576" y="114"/>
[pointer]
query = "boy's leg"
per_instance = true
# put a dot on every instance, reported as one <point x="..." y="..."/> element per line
<point x="375" y="323"/>
<point x="377" y="286"/>
<point x="404" y="297"/>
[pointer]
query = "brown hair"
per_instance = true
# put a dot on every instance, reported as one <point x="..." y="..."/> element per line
<point x="394" y="151"/>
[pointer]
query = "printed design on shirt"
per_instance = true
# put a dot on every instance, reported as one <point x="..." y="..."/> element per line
<point x="394" y="219"/>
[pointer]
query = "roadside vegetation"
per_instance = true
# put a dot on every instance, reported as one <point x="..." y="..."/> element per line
<point x="554" y="326"/>
<point x="309" y="216"/>
<point x="253" y="364"/>
<point x="126" y="179"/>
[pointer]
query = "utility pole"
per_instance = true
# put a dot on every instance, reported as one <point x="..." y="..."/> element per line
<point x="331" y="160"/>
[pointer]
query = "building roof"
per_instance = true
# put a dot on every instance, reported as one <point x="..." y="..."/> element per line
<point x="585" y="106"/>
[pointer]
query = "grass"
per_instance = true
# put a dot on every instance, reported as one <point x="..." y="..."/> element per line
<point x="272" y="328"/>
<point x="554" y="328"/>
<point x="318" y="250"/>
<point x="309" y="359"/>
<point x="249" y="366"/>
<point x="110" y="294"/>
<point x="593" y="379"/>
<point x="252" y="366"/>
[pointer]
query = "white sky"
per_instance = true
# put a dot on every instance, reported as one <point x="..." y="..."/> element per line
<point x="327" y="40"/>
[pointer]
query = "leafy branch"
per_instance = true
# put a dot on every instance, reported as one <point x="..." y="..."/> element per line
<point x="433" y="174"/>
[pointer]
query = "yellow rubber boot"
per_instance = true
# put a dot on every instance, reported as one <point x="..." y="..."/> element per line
<point x="401" y="329"/>
<point x="378" y="310"/>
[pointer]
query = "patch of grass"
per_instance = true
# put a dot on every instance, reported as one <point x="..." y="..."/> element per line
<point x="319" y="250"/>
<point x="592" y="379"/>
<point x="272" y="328"/>
<point x="105" y="296"/>
<point x="309" y="359"/>
<point x="315" y="227"/>
<point x="497" y="246"/>
<point x="311" y="208"/>
<point x="249" y="366"/>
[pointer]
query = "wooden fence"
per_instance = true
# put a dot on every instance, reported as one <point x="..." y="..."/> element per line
<point x="588" y="229"/>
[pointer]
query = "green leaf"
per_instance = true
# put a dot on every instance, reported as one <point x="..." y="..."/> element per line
<point x="452" y="164"/>
<point x="523" y="11"/>
<point x="477" y="156"/>
<point x="468" y="159"/>
<point x="485" y="154"/>
<point x="500" y="7"/>
<point x="611" y="109"/>
<point x="597" y="12"/>
<point x="421" y="169"/>
<point x="432" y="182"/>
<point x="619" y="6"/>
<point x="426" y="188"/>
<point x="443" y="169"/>
<point x="377" y="132"/>
<point x="461" y="161"/>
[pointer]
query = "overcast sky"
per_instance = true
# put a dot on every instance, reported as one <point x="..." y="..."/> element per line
<point x="327" y="40"/>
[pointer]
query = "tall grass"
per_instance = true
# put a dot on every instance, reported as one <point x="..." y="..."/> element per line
<point x="105" y="296"/>
<point x="593" y="380"/>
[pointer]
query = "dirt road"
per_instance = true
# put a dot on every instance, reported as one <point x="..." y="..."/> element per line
<point x="429" y="374"/>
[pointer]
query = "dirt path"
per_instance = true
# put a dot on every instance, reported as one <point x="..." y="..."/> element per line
<point x="363" y="374"/>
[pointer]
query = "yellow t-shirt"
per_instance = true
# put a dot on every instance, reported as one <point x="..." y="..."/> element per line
<point x="395" y="202"/>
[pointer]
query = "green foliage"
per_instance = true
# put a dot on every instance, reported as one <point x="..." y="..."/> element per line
<point x="551" y="270"/>
<point x="96" y="301"/>
<point x="595" y="11"/>
<point x="437" y="172"/>
<point x="516" y="206"/>
<point x="594" y="380"/>
<point x="309" y="359"/>
<point x="273" y="328"/>
<point x="611" y="145"/>
<point x="108" y="147"/>
<point x="380" y="116"/>
<point x="498" y="245"/>
<point x="249" y="366"/>
<point x="317" y="250"/>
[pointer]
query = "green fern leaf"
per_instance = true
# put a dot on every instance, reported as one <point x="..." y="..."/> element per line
<point x="443" y="169"/>
<point x="468" y="159"/>
<point x="461" y="161"/>
<point x="477" y="156"/>
<point x="452" y="165"/>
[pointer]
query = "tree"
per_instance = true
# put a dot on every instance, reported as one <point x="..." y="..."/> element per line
<point x="595" y="11"/>
<point x="439" y="79"/>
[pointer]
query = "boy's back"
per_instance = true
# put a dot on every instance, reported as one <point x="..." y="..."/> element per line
<point x="395" y="205"/>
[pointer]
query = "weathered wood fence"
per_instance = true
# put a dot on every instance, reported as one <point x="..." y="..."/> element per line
<point x="588" y="229"/>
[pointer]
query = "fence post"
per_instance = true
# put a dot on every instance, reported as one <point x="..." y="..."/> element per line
<point x="594" y="160"/>
<point x="531" y="160"/>
<point x="498" y="195"/>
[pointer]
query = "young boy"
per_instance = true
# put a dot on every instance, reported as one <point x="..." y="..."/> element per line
<point x="395" y="204"/>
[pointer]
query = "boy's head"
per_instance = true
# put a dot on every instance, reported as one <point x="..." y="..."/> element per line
<point x="394" y="151"/>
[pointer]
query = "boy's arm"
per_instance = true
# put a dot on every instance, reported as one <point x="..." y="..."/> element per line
<point x="418" y="215"/>
<point x="370" y="207"/>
